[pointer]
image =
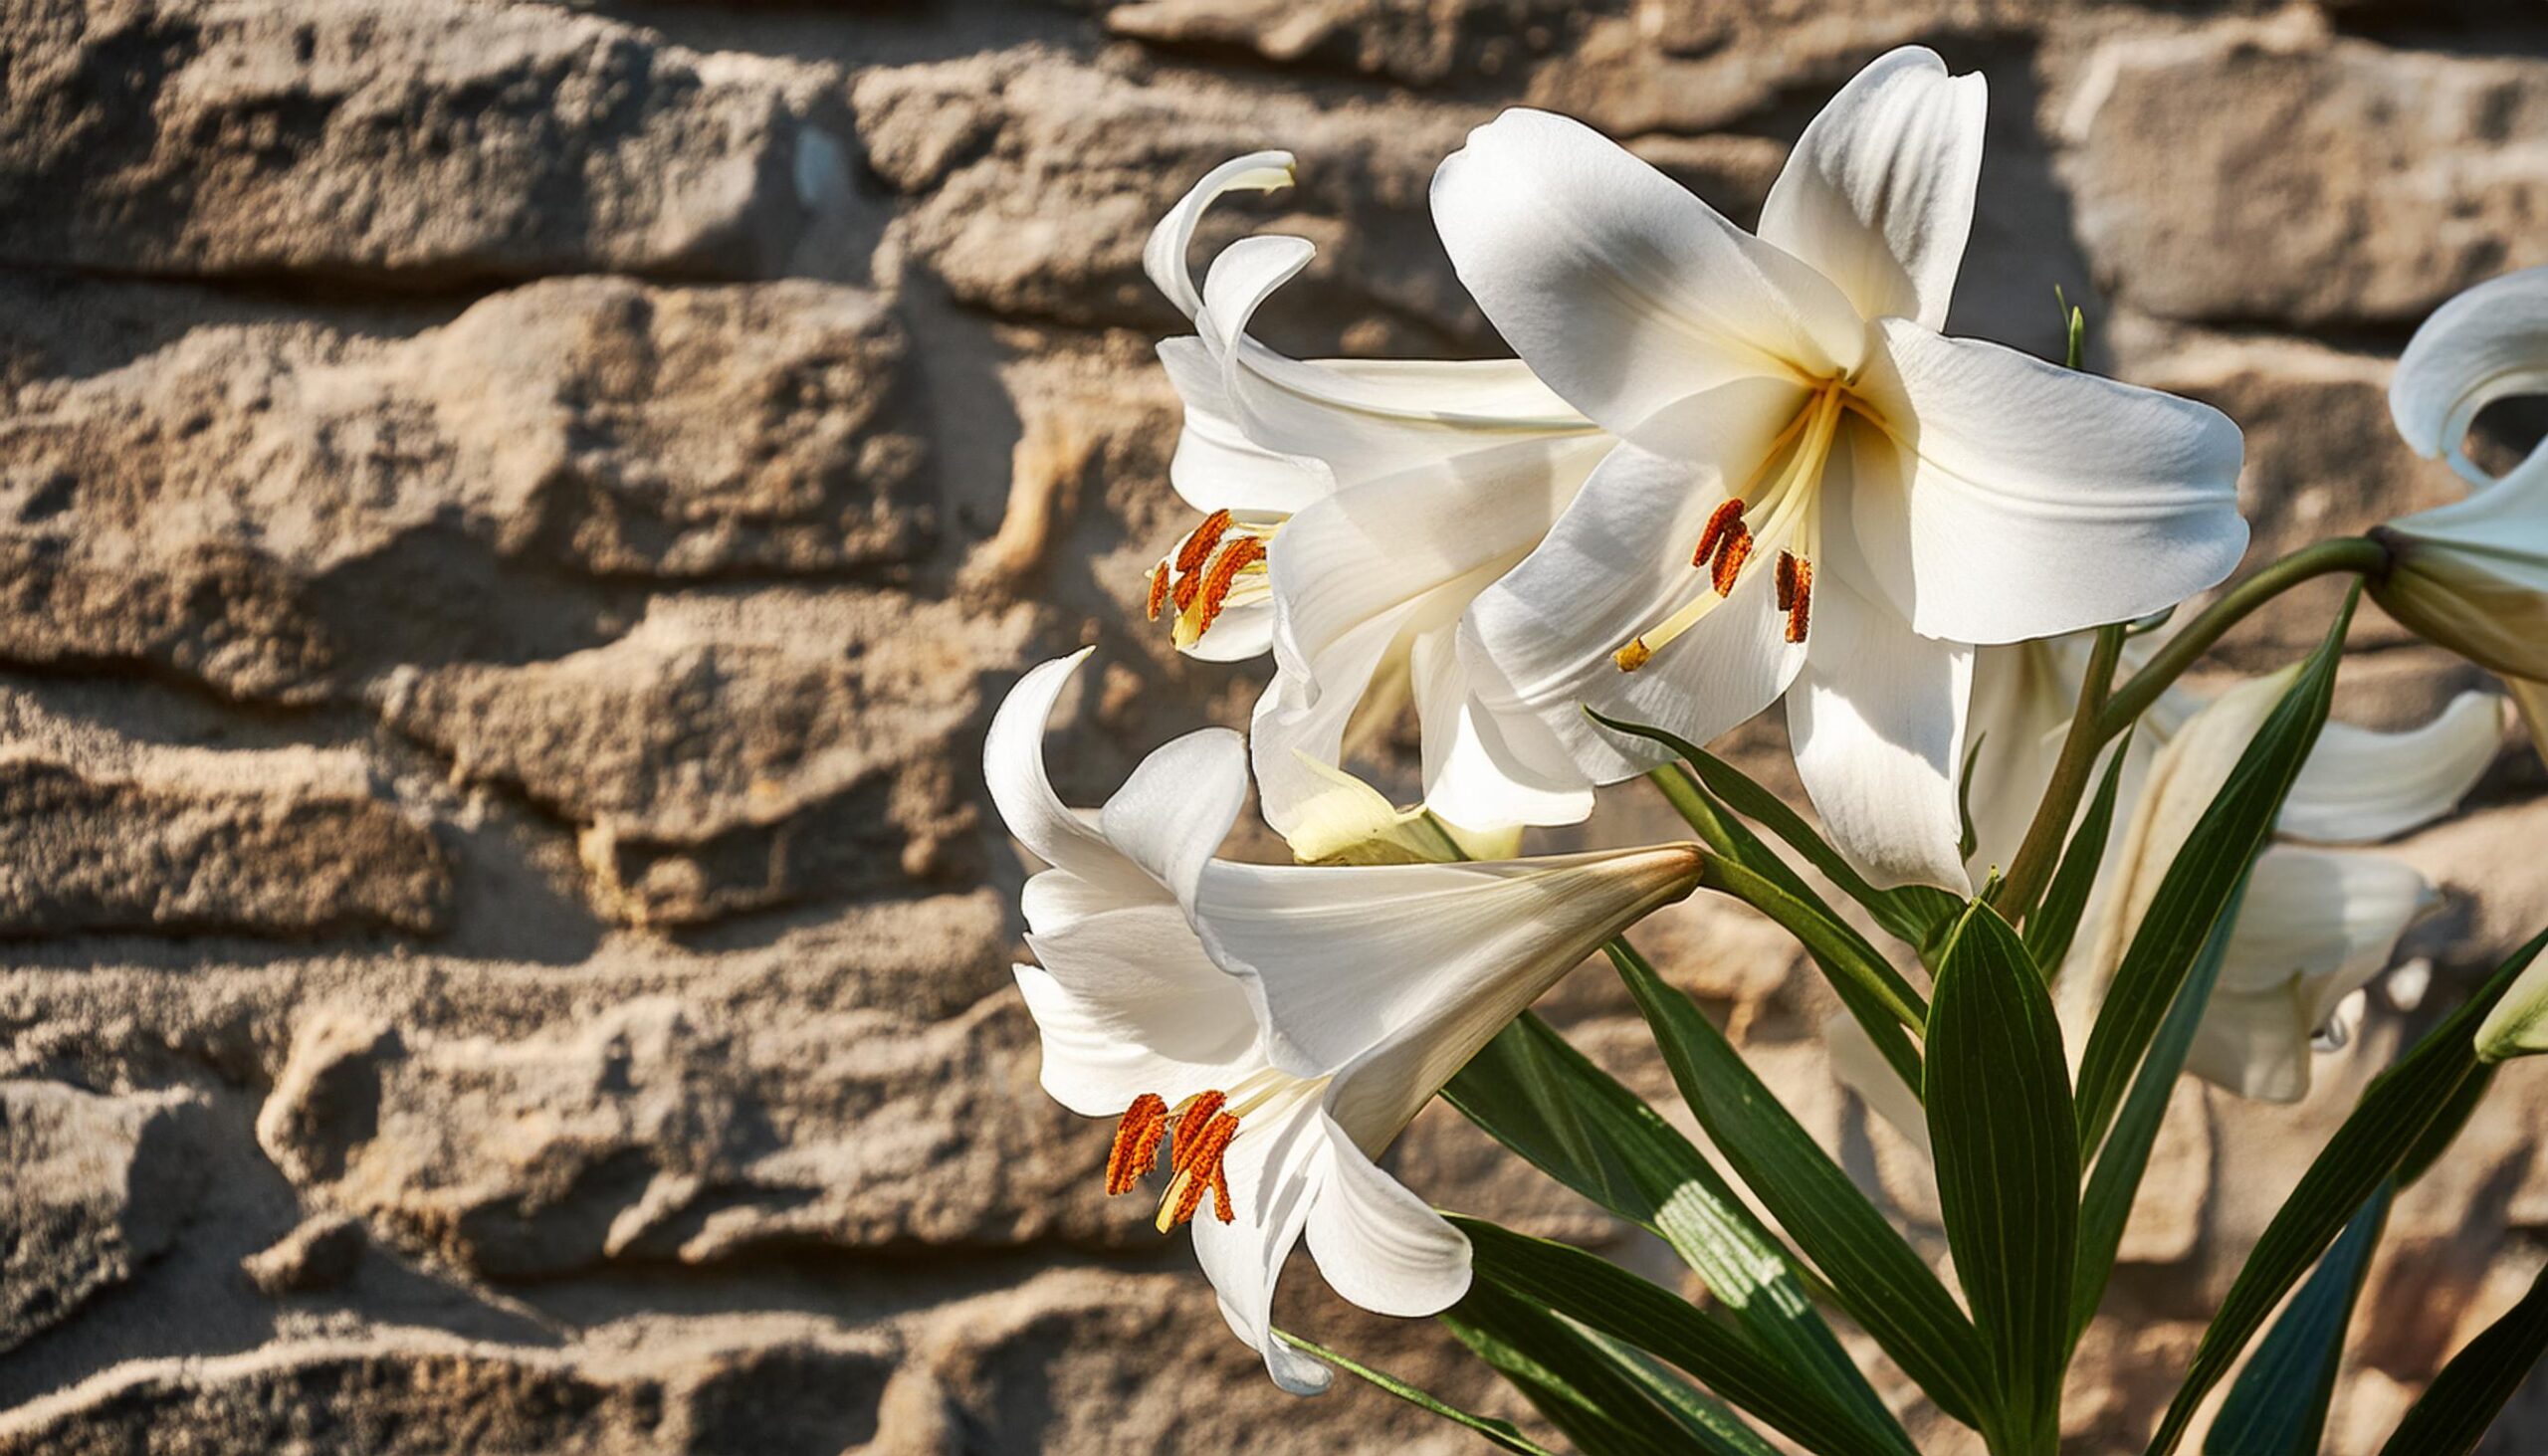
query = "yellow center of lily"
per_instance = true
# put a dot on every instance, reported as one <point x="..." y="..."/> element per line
<point x="1779" y="507"/>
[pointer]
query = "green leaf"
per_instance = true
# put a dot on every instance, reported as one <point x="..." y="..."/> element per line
<point x="1703" y="1415"/>
<point x="2389" y="1124"/>
<point x="1580" y="1389"/>
<point x="2194" y="895"/>
<point x="2279" y="1405"/>
<point x="2116" y="1181"/>
<point x="1909" y="913"/>
<point x="2519" y="1027"/>
<point x="1876" y="1276"/>
<point x="1830" y="940"/>
<point x="2453" y="1414"/>
<point x="2007" y="1156"/>
<point x="1850" y="972"/>
<point x="1604" y="1298"/>
<point x="1500" y="1432"/>
<point x="2055" y="922"/>
<point x="1539" y="1097"/>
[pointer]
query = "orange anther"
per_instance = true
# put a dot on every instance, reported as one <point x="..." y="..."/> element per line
<point x="1159" y="589"/>
<point x="1235" y="557"/>
<point x="1730" y="559"/>
<point x="1137" y="1139"/>
<point x="1796" y="594"/>
<point x="1727" y="516"/>
<point x="1200" y="544"/>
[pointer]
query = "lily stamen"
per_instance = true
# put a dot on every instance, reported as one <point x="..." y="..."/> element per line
<point x="1796" y="594"/>
<point x="1726" y="546"/>
<point x="1200" y="541"/>
<point x="1137" y="1140"/>
<point x="1727" y="515"/>
<point x="1235" y="557"/>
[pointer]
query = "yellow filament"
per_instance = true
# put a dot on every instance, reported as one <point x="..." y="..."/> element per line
<point x="1793" y="494"/>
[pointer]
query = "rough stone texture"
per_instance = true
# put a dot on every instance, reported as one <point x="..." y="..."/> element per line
<point x="102" y="834"/>
<point x="95" y="1188"/>
<point x="423" y="145"/>
<point x="2349" y="185"/>
<point x="514" y="517"/>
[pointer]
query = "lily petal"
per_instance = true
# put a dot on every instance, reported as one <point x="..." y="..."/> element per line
<point x="1274" y="1182"/>
<point x="1378" y="1244"/>
<point x="1299" y="721"/>
<point x="1540" y="641"/>
<point x="2488" y="344"/>
<point x="1877" y="721"/>
<point x="1127" y="1003"/>
<point x="1178" y="805"/>
<point x="2315" y="928"/>
<point x="1473" y="779"/>
<point x="1013" y="766"/>
<point x="1217" y="465"/>
<point x="1878" y="193"/>
<point x="1164" y="255"/>
<point x="2360" y="785"/>
<point x="1399" y="974"/>
<point x="1616" y="286"/>
<point x="2043" y="500"/>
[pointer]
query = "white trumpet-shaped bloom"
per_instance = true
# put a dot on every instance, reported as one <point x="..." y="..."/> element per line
<point x="1820" y="494"/>
<point x="1352" y="509"/>
<point x="2472" y="576"/>
<point x="2315" y="926"/>
<point x="1278" y="1026"/>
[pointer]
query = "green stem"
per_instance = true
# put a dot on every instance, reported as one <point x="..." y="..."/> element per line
<point x="2031" y="870"/>
<point x="2358" y="556"/>
<point x="2102" y="715"/>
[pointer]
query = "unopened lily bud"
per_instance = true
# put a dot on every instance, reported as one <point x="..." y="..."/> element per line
<point x="2487" y="602"/>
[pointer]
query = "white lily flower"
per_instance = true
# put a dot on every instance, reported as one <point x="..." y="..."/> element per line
<point x="2315" y="926"/>
<point x="1820" y="491"/>
<point x="2472" y="576"/>
<point x="1352" y="509"/>
<point x="1281" y="1024"/>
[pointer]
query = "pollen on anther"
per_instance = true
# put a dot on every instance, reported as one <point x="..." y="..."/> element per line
<point x="1192" y="1118"/>
<point x="1727" y="515"/>
<point x="1240" y="554"/>
<point x="1200" y="544"/>
<point x="1159" y="589"/>
<point x="1796" y="595"/>
<point x="1137" y="1140"/>
<point x="1730" y="559"/>
<point x="1202" y="1172"/>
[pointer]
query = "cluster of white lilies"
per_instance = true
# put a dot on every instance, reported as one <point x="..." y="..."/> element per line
<point x="1725" y="468"/>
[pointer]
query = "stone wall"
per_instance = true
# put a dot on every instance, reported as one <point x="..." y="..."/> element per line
<point x="513" y="519"/>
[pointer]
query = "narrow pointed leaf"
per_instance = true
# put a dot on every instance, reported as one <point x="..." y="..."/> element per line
<point x="1582" y="1390"/>
<point x="1909" y="913"/>
<point x="1535" y="1094"/>
<point x="2008" y="1154"/>
<point x="2279" y="1405"/>
<point x="1704" y="1416"/>
<point x="2386" y="1126"/>
<point x="1602" y="1297"/>
<point x="2194" y="895"/>
<point x="1878" y="1277"/>
<point x="2453" y="1414"/>
<point x="2115" y="1180"/>
<point x="1733" y="841"/>
<point x="1499" y="1432"/>
<point x="2055" y="922"/>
